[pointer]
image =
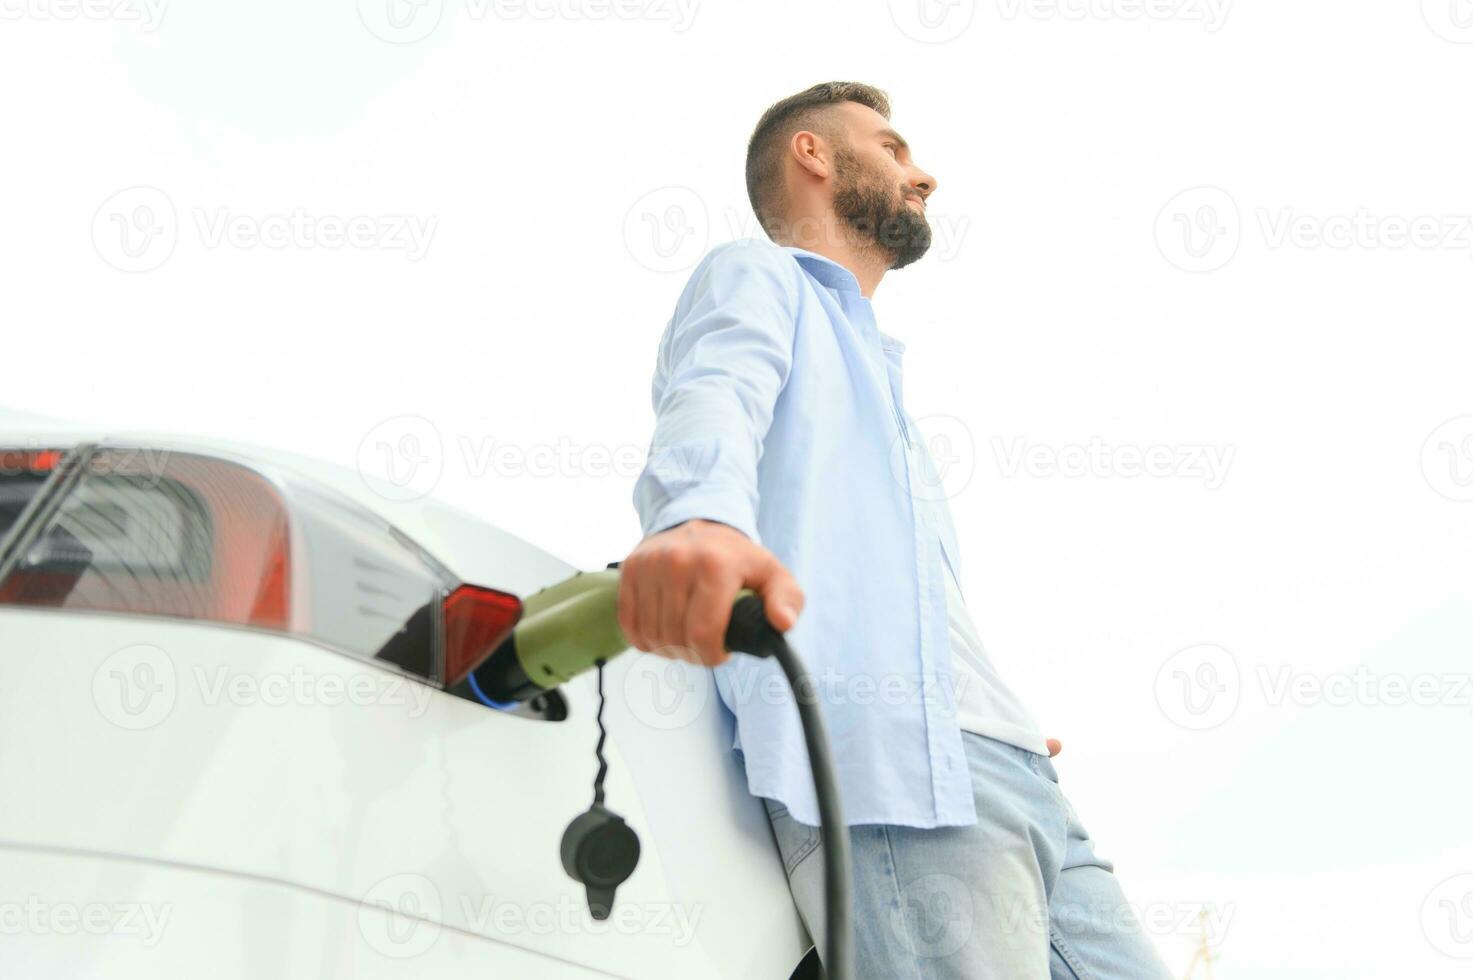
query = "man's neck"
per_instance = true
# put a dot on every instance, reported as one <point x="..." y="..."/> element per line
<point x="834" y="239"/>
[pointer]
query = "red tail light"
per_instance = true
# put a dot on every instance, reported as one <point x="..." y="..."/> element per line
<point x="14" y="461"/>
<point x="477" y="620"/>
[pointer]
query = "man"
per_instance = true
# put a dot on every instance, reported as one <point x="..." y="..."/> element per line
<point x="782" y="455"/>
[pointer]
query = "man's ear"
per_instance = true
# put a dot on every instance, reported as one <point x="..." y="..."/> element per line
<point x="812" y="153"/>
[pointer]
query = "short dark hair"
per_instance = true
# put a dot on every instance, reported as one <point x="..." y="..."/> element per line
<point x="806" y="110"/>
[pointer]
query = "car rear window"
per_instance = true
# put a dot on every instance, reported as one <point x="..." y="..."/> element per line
<point x="197" y="537"/>
<point x="22" y="472"/>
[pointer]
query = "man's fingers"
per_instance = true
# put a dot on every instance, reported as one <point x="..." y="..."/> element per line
<point x="707" y="616"/>
<point x="782" y="599"/>
<point x="629" y="606"/>
<point x="1054" y="746"/>
<point x="675" y="586"/>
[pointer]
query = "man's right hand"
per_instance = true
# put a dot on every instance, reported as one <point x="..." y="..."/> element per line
<point x="677" y="587"/>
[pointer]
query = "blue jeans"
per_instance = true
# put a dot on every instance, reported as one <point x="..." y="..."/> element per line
<point x="1020" y="895"/>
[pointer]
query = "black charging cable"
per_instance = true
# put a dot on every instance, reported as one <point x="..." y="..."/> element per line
<point x="751" y="633"/>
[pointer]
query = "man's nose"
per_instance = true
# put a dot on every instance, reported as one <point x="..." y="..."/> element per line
<point x="924" y="183"/>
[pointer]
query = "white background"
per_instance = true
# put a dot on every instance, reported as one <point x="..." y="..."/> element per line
<point x="1197" y="230"/>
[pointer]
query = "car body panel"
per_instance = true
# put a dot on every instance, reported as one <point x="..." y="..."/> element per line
<point x="190" y="748"/>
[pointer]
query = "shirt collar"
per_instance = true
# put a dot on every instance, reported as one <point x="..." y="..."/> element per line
<point x="824" y="269"/>
<point x="836" y="276"/>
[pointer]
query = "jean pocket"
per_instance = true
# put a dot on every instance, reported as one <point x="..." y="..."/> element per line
<point x="1046" y="768"/>
<point x="795" y="839"/>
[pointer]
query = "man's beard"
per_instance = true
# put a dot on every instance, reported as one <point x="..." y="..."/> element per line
<point x="879" y="213"/>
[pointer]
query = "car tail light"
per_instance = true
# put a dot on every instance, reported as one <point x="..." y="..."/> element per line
<point x="476" y="622"/>
<point x="14" y="461"/>
<point x="190" y="536"/>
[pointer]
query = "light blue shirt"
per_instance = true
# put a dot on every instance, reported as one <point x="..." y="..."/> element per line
<point x="779" y="411"/>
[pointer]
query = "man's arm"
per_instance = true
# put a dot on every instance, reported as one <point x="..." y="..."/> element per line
<point x="726" y="357"/>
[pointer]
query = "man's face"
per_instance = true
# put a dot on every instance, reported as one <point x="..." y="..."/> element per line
<point x="878" y="189"/>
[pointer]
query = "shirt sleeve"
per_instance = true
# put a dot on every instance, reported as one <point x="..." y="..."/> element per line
<point x="724" y="359"/>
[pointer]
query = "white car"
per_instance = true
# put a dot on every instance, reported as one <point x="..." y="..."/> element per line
<point x="225" y="750"/>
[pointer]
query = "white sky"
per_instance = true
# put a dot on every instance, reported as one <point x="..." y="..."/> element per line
<point x="511" y="172"/>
